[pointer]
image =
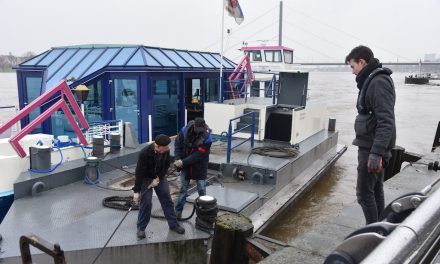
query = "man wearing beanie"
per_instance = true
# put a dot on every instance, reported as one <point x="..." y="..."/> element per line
<point x="153" y="164"/>
<point x="191" y="154"/>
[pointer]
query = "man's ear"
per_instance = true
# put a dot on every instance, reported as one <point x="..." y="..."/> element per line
<point x="363" y="62"/>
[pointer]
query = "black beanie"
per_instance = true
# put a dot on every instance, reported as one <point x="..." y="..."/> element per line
<point x="199" y="125"/>
<point x="162" y="140"/>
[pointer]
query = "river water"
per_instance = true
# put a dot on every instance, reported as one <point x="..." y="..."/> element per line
<point x="417" y="115"/>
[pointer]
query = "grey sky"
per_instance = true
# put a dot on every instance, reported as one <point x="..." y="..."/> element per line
<point x="318" y="30"/>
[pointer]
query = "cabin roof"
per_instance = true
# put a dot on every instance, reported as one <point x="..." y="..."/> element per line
<point x="78" y="61"/>
<point x="266" y="48"/>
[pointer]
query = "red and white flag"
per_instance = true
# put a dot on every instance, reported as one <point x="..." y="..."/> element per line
<point x="234" y="10"/>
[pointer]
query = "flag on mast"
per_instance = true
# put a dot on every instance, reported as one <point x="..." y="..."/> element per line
<point x="234" y="10"/>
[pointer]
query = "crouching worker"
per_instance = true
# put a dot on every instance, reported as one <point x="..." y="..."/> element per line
<point x="192" y="147"/>
<point x="153" y="164"/>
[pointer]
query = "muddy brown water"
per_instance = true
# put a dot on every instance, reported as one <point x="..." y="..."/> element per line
<point x="417" y="113"/>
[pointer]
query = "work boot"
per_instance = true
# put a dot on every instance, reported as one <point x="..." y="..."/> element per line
<point x="179" y="215"/>
<point x="178" y="229"/>
<point x="140" y="234"/>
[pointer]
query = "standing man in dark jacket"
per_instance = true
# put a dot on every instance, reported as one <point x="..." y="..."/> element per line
<point x="191" y="154"/>
<point x="153" y="164"/>
<point x="375" y="128"/>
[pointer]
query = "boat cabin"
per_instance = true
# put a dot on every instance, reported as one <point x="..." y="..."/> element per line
<point x="156" y="89"/>
<point x="270" y="58"/>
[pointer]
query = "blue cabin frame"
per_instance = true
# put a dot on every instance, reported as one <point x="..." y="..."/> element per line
<point x="135" y="83"/>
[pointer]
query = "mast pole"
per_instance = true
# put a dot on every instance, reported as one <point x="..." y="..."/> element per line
<point x="220" y="84"/>
<point x="280" y="31"/>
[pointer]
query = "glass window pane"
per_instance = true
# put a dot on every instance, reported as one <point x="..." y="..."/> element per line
<point x="102" y="61"/>
<point x="269" y="55"/>
<point x="61" y="74"/>
<point x="122" y="57"/>
<point x="53" y="54"/>
<point x="288" y="56"/>
<point x="93" y="104"/>
<point x="189" y="59"/>
<point x="35" y="59"/>
<point x="277" y="56"/>
<point x="33" y="89"/>
<point x="256" y="55"/>
<point x="89" y="59"/>
<point x="226" y="63"/>
<point x="137" y="59"/>
<point x="126" y="106"/>
<point x="211" y="59"/>
<point x="211" y="90"/>
<point x="150" y="60"/>
<point x="160" y="57"/>
<point x="176" y="58"/>
<point x="202" y="60"/>
<point x="60" y="62"/>
<point x="165" y="107"/>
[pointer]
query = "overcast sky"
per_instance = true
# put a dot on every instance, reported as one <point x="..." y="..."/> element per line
<point x="318" y="30"/>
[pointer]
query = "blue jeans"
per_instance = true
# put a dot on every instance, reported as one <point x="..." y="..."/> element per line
<point x="163" y="193"/>
<point x="201" y="188"/>
<point x="369" y="189"/>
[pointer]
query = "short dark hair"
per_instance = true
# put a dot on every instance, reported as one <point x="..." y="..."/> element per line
<point x="360" y="52"/>
<point x="162" y="140"/>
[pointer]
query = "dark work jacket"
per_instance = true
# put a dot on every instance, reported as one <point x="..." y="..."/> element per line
<point x="150" y="165"/>
<point x="375" y="123"/>
<point x="195" y="154"/>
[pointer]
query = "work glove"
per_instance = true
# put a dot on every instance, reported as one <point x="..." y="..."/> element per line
<point x="135" y="198"/>
<point x="178" y="164"/>
<point x="154" y="183"/>
<point x="374" y="163"/>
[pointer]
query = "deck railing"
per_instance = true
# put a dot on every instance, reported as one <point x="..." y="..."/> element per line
<point x="104" y="128"/>
<point x="230" y="133"/>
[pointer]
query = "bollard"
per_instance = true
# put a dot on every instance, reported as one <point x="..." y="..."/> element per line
<point x="331" y="124"/>
<point x="91" y="174"/>
<point x="115" y="142"/>
<point x="40" y="157"/>
<point x="98" y="146"/>
<point x="229" y="242"/>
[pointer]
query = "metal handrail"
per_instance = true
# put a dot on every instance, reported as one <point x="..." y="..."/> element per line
<point x="104" y="128"/>
<point x="410" y="234"/>
<point x="230" y="133"/>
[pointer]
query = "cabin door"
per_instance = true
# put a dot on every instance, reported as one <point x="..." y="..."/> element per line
<point x="125" y="100"/>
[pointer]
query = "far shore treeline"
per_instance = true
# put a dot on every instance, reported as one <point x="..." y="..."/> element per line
<point x="8" y="62"/>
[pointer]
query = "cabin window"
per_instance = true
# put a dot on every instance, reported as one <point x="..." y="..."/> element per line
<point x="33" y="88"/>
<point x="256" y="55"/>
<point x="273" y="55"/>
<point x="288" y="56"/>
<point x="255" y="89"/>
<point x="211" y="90"/>
<point x="93" y="104"/>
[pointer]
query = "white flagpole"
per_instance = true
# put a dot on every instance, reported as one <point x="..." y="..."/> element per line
<point x="220" y="96"/>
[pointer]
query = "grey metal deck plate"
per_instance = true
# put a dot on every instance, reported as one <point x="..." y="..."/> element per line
<point x="228" y="199"/>
<point x="74" y="217"/>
